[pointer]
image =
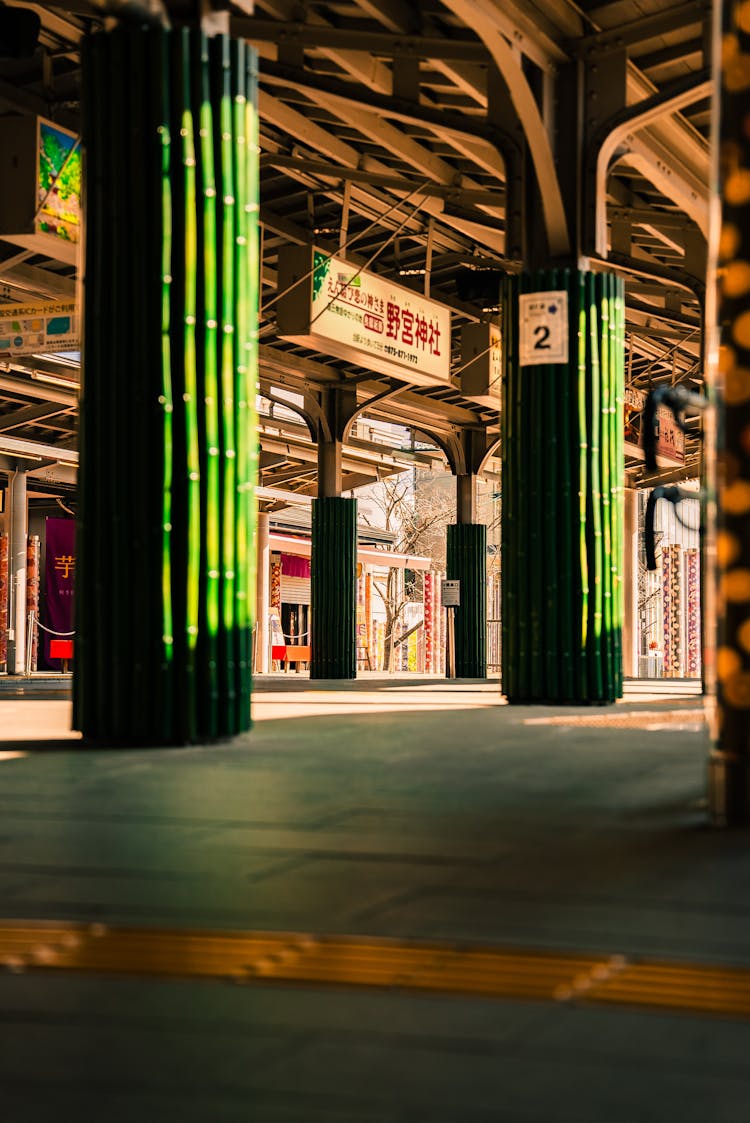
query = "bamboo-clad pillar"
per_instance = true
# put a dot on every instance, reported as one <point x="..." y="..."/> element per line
<point x="166" y="588"/>
<point x="563" y="492"/>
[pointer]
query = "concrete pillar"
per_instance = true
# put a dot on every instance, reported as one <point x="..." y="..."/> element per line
<point x="630" y="585"/>
<point x="19" y="530"/>
<point x="263" y="594"/>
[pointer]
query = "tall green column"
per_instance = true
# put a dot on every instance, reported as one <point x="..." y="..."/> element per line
<point x="332" y="591"/>
<point x="466" y="561"/>
<point x="165" y="589"/>
<point x="563" y="476"/>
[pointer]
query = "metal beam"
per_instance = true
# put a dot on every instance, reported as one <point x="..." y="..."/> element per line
<point x="650" y="216"/>
<point x="673" y="18"/>
<point x="483" y="19"/>
<point x="36" y="450"/>
<point x="619" y="132"/>
<point x="319" y="139"/>
<point x="463" y="195"/>
<point x="331" y="91"/>
<point x="372" y="42"/>
<point x="360" y="65"/>
<point x="32" y="279"/>
<point x="25" y="387"/>
<point x="30" y="414"/>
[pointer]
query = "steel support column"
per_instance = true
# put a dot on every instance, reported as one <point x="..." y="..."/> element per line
<point x="630" y="584"/>
<point x="19" y="530"/>
<point x="466" y="560"/>
<point x="334" y="545"/>
<point x="466" y="498"/>
<point x="263" y="594"/>
<point x="329" y="468"/>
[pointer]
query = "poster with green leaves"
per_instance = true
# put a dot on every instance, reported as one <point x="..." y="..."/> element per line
<point x="59" y="183"/>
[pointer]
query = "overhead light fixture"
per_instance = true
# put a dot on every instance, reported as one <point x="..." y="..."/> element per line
<point x="70" y="359"/>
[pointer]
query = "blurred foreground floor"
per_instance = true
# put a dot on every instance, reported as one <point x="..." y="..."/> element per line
<point x="425" y="812"/>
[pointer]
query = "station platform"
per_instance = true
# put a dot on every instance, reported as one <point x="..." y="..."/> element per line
<point x="391" y="901"/>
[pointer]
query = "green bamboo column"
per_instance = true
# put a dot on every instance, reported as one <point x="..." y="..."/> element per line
<point x="466" y="561"/>
<point x="332" y="589"/>
<point x="168" y="427"/>
<point x="563" y="474"/>
<point x="727" y="587"/>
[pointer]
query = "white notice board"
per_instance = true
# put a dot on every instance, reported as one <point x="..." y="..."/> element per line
<point x="450" y="594"/>
<point x="543" y="327"/>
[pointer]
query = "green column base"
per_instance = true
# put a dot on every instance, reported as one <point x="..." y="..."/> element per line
<point x="467" y="563"/>
<point x="333" y="592"/>
<point x="563" y="480"/>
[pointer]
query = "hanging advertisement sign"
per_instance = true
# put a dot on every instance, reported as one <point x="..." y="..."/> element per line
<point x="331" y="306"/>
<point x="58" y="182"/>
<point x="481" y="362"/>
<point x="40" y="186"/>
<point x="670" y="439"/>
<point x="60" y="573"/>
<point x="543" y="327"/>
<point x="46" y="326"/>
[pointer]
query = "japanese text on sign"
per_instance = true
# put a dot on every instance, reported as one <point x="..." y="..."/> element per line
<point x="391" y="324"/>
<point x="65" y="565"/>
<point x="543" y="327"/>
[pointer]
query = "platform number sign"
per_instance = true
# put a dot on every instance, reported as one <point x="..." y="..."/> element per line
<point x="543" y="322"/>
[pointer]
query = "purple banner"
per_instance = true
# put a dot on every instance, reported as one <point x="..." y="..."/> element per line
<point x="60" y="572"/>
<point x="294" y="566"/>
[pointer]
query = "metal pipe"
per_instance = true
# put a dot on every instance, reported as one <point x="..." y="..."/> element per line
<point x="37" y="390"/>
<point x="18" y="537"/>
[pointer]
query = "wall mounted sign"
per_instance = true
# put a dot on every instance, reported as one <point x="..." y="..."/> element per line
<point x="30" y="329"/>
<point x="332" y="307"/>
<point x="450" y="593"/>
<point x="543" y="327"/>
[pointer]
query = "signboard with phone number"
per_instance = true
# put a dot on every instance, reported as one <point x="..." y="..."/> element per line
<point x="543" y="324"/>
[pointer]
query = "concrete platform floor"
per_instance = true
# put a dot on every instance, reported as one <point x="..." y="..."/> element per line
<point x="415" y="811"/>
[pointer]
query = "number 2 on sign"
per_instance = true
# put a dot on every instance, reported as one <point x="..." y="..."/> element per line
<point x="543" y="328"/>
<point x="541" y="335"/>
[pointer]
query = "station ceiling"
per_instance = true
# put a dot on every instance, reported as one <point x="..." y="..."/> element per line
<point x="379" y="128"/>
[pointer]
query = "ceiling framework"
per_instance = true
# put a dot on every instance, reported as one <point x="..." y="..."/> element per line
<point x="396" y="132"/>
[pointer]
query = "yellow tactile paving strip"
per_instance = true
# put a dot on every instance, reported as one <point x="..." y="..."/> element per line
<point x="638" y="719"/>
<point x="351" y="961"/>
